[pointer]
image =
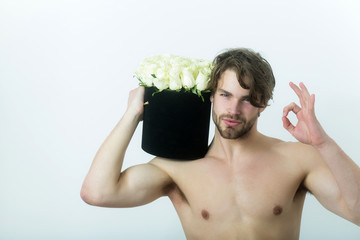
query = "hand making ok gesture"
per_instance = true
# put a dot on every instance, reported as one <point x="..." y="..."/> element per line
<point x="308" y="129"/>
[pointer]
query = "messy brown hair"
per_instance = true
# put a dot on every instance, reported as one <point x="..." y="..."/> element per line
<point x="252" y="70"/>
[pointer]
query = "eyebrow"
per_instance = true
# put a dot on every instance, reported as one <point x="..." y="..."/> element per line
<point x="224" y="91"/>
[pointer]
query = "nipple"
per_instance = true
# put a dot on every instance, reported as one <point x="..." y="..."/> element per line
<point x="277" y="210"/>
<point x="205" y="214"/>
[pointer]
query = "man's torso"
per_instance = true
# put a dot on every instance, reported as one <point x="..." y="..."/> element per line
<point x="258" y="197"/>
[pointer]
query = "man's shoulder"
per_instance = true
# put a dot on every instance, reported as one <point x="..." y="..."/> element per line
<point x="292" y="146"/>
<point x="173" y="165"/>
<point x="170" y="161"/>
<point x="163" y="163"/>
<point x="294" y="150"/>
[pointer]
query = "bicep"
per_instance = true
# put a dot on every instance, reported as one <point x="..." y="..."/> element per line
<point x="322" y="184"/>
<point x="139" y="185"/>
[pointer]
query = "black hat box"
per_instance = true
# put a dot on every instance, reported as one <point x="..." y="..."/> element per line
<point x="176" y="124"/>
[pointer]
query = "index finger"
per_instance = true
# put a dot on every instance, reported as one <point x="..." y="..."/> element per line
<point x="298" y="92"/>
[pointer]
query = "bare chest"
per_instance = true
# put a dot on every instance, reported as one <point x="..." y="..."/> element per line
<point x="251" y="196"/>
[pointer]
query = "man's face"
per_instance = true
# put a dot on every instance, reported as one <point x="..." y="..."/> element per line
<point x="233" y="114"/>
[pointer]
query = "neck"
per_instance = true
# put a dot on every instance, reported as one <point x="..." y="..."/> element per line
<point x="231" y="149"/>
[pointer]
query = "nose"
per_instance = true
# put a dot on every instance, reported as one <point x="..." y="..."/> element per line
<point x="234" y="107"/>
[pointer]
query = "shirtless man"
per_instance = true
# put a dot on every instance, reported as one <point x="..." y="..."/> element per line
<point x="248" y="186"/>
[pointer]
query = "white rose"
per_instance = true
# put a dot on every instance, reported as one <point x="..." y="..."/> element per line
<point x="174" y="73"/>
<point x="187" y="78"/>
<point x="194" y="66"/>
<point x="174" y="79"/>
<point x="148" y="80"/>
<point x="162" y="78"/>
<point x="202" y="81"/>
<point x="161" y="73"/>
<point x="148" y="73"/>
<point x="161" y="84"/>
<point x="145" y="71"/>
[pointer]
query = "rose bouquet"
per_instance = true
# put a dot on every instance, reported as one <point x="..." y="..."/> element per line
<point x="170" y="72"/>
<point x="175" y="121"/>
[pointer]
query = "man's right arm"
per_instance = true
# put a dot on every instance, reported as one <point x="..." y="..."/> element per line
<point x="105" y="184"/>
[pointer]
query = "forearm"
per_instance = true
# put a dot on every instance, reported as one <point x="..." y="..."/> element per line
<point x="104" y="173"/>
<point x="345" y="171"/>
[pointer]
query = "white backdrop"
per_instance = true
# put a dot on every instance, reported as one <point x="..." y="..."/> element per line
<point x="66" y="68"/>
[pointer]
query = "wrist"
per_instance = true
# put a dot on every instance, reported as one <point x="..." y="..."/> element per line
<point x="133" y="115"/>
<point x="324" y="143"/>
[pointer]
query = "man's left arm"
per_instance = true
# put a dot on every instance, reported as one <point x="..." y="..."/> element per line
<point x="343" y="169"/>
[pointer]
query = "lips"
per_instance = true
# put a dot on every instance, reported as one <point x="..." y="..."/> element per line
<point x="231" y="122"/>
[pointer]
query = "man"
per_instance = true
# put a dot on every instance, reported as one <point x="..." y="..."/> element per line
<point x="248" y="186"/>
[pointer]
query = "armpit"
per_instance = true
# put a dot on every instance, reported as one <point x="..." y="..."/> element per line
<point x="175" y="194"/>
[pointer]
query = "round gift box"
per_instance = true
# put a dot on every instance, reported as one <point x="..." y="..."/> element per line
<point x="176" y="124"/>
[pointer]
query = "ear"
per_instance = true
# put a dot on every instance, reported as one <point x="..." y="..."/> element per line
<point x="260" y="111"/>
<point x="212" y="98"/>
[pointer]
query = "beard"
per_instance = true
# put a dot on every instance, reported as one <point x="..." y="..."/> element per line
<point x="236" y="132"/>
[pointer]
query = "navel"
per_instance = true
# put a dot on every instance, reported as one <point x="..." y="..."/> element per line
<point x="205" y="214"/>
<point x="277" y="210"/>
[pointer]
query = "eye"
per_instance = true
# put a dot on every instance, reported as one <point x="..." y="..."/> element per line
<point x="224" y="95"/>
<point x="246" y="99"/>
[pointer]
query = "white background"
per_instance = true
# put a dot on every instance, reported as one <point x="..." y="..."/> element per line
<point x="66" y="68"/>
